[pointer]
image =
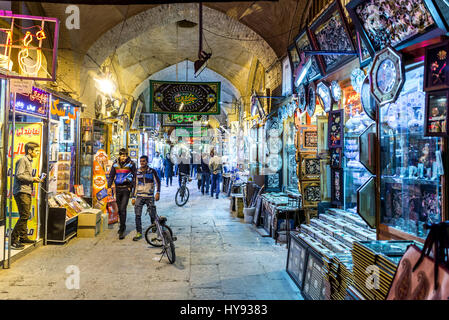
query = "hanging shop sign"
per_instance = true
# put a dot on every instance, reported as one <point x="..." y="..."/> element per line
<point x="25" y="133"/>
<point x="29" y="53"/>
<point x="35" y="104"/>
<point x="185" y="97"/>
<point x="190" y="132"/>
<point x="181" y="120"/>
<point x="395" y="23"/>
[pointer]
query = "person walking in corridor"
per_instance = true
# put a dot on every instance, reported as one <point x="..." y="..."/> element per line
<point x="157" y="164"/>
<point x="205" y="175"/>
<point x="215" y="167"/>
<point x="144" y="193"/>
<point x="22" y="190"/>
<point x="168" y="169"/>
<point x="123" y="174"/>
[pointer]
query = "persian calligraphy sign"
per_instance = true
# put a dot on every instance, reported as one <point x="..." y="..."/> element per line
<point x="192" y="98"/>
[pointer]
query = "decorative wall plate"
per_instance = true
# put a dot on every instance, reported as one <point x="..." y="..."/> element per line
<point x="274" y="127"/>
<point x="368" y="102"/>
<point x="302" y="98"/>
<point x="311" y="100"/>
<point x="336" y="91"/>
<point x="387" y="75"/>
<point x="324" y="94"/>
<point x="357" y="76"/>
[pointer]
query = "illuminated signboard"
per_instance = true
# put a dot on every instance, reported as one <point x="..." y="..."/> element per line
<point x="189" y="132"/>
<point x="181" y="120"/>
<point x="35" y="104"/>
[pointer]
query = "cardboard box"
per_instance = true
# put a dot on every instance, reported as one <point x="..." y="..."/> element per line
<point x="89" y="232"/>
<point x="89" y="219"/>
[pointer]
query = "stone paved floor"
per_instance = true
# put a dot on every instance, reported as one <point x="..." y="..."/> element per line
<point x="218" y="257"/>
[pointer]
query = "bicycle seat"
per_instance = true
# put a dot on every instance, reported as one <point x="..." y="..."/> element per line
<point x="162" y="219"/>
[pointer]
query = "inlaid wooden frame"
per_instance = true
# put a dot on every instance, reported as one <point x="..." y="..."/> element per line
<point x="330" y="31"/>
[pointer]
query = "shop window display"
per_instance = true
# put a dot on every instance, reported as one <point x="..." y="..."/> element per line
<point x="355" y="175"/>
<point x="410" y="165"/>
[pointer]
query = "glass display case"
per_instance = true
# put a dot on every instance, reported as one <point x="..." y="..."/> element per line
<point x="355" y="175"/>
<point x="93" y="138"/>
<point x="63" y="143"/>
<point x="411" y="163"/>
<point x="289" y="156"/>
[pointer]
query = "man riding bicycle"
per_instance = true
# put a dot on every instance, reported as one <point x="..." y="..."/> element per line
<point x="144" y="193"/>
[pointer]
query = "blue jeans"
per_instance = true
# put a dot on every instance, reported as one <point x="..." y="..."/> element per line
<point x="215" y="184"/>
<point x="205" y="182"/>
<point x="140" y="202"/>
<point x="158" y="172"/>
<point x="169" y="179"/>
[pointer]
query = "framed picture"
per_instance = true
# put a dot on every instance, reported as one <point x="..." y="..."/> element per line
<point x="436" y="117"/>
<point x="322" y="142"/>
<point x="337" y="187"/>
<point x="330" y="32"/>
<point x="311" y="193"/>
<point x="310" y="166"/>
<point x="302" y="42"/>
<point x="436" y="73"/>
<point x="294" y="58"/>
<point x="362" y="51"/>
<point x="398" y="23"/>
<point x="273" y="182"/>
<point x="308" y="139"/>
<point x="336" y="129"/>
<point x="387" y="75"/>
<point x="440" y="12"/>
<point x="325" y="182"/>
<point x="335" y="160"/>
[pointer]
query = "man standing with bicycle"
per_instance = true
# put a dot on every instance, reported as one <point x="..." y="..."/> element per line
<point x="144" y="193"/>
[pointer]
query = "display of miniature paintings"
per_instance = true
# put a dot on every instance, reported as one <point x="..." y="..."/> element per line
<point x="335" y="158"/>
<point x="436" y="119"/>
<point x="390" y="22"/>
<point x="336" y="129"/>
<point x="314" y="282"/>
<point x="308" y="138"/>
<point x="302" y="42"/>
<point x="437" y="67"/>
<point x="337" y="187"/>
<point x="310" y="166"/>
<point x="362" y="51"/>
<point x="311" y="192"/>
<point x="330" y="32"/>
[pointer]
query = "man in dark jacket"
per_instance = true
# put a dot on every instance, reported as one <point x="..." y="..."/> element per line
<point x="22" y="190"/>
<point x="123" y="173"/>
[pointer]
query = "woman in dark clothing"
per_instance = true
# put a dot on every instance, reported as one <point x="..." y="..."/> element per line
<point x="168" y="168"/>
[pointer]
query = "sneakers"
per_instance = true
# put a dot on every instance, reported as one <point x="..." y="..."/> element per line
<point x="26" y="240"/>
<point x="137" y="237"/>
<point x="17" y="246"/>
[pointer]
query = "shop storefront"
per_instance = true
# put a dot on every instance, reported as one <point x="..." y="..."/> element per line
<point x="381" y="146"/>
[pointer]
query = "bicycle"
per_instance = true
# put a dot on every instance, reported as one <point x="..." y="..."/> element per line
<point x="183" y="193"/>
<point x="160" y="235"/>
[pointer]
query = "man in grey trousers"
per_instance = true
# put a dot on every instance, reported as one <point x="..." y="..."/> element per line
<point x="22" y="190"/>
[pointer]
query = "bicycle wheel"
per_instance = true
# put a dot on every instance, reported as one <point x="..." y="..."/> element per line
<point x="152" y="237"/>
<point x="182" y="196"/>
<point x="169" y="246"/>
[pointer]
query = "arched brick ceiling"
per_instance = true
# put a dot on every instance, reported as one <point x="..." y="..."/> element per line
<point x="271" y="20"/>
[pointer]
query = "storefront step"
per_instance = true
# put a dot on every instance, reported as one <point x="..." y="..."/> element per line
<point x="17" y="254"/>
